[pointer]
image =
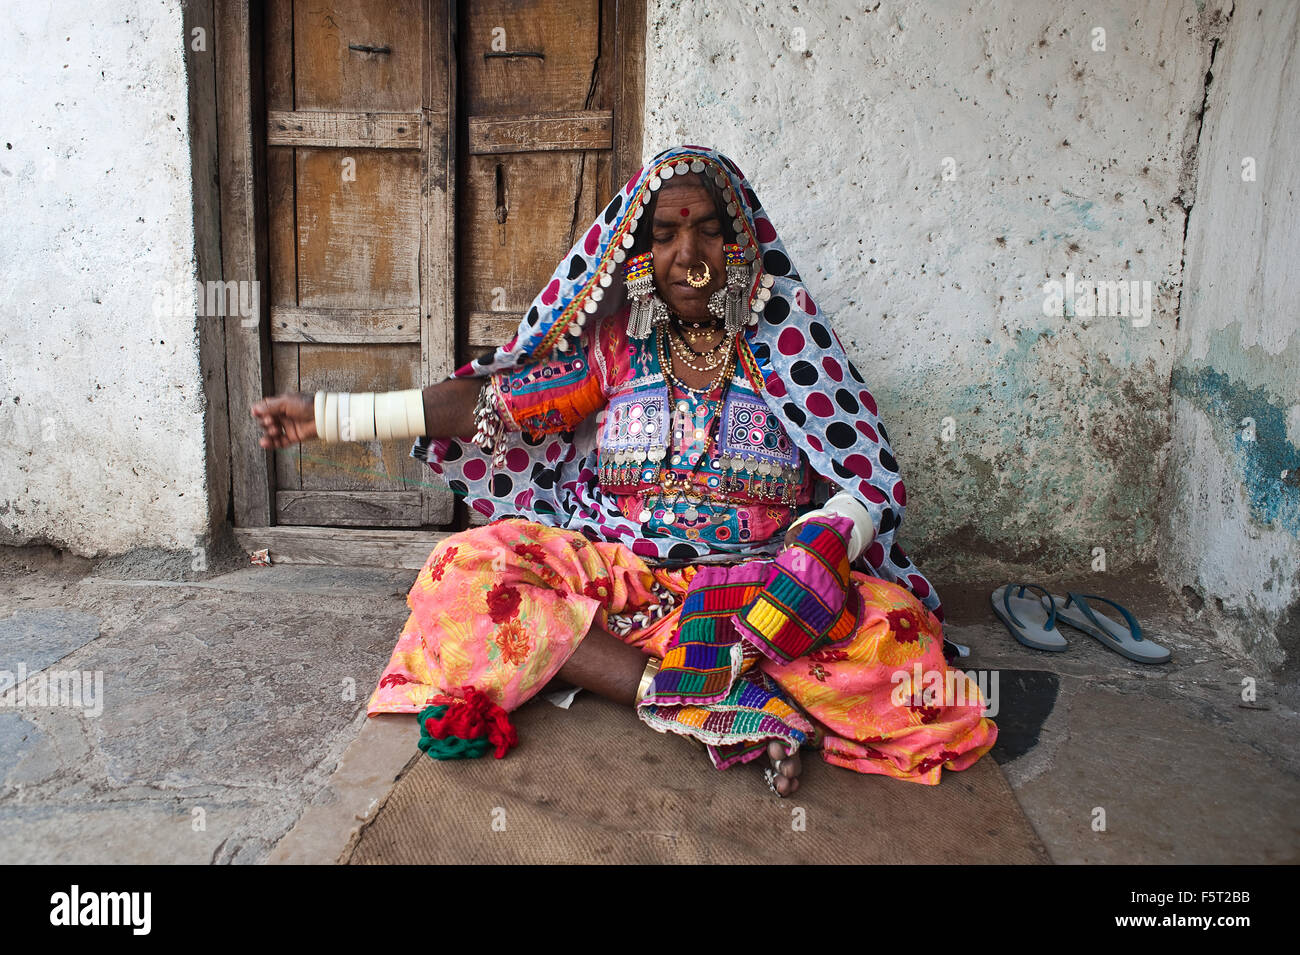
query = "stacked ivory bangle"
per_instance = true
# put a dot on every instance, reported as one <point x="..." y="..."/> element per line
<point x="845" y="504"/>
<point x="369" y="416"/>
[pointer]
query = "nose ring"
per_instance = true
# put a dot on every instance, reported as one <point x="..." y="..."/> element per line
<point x="694" y="282"/>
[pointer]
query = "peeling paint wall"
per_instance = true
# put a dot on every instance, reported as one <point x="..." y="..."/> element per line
<point x="930" y="165"/>
<point x="1232" y="502"/>
<point x="101" y="408"/>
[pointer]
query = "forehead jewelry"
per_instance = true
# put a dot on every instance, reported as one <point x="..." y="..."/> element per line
<point x="703" y="280"/>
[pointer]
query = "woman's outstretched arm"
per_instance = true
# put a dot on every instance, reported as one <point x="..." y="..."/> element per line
<point x="289" y="419"/>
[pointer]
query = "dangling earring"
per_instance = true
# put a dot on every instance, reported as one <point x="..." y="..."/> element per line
<point x="659" y="318"/>
<point x="639" y="275"/>
<point x="728" y="303"/>
<point x="718" y="304"/>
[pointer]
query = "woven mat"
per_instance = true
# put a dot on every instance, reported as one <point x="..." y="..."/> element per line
<point x="594" y="784"/>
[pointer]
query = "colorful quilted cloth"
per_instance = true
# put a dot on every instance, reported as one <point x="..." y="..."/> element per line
<point x="734" y="616"/>
<point x="806" y="603"/>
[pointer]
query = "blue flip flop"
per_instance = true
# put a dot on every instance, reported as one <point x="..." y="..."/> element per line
<point x="1130" y="643"/>
<point x="1030" y="621"/>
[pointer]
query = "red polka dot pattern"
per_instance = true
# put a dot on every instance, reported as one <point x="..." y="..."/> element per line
<point x="859" y="465"/>
<point x="791" y="342"/>
<point x="517" y="459"/>
<point x="820" y="405"/>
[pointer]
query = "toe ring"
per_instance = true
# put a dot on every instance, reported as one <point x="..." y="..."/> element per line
<point x="771" y="781"/>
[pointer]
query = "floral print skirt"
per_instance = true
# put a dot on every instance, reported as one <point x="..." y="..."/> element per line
<point x="503" y="607"/>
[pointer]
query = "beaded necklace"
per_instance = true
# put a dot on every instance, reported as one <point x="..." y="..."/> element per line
<point x="687" y="489"/>
<point x="726" y="363"/>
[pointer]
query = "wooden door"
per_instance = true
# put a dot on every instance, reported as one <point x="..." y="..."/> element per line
<point x="427" y="164"/>
<point x="357" y="95"/>
<point x="538" y="155"/>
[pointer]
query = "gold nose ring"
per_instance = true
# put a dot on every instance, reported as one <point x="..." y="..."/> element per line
<point x="694" y="282"/>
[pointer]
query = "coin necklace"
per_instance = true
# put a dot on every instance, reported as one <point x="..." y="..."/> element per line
<point x="665" y="365"/>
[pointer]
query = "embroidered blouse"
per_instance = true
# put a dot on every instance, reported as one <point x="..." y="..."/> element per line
<point x="714" y="467"/>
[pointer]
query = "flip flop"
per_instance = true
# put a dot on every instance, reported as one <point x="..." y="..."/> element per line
<point x="1026" y="618"/>
<point x="1127" y="643"/>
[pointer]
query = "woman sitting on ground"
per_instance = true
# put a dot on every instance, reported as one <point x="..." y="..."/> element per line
<point x="672" y="403"/>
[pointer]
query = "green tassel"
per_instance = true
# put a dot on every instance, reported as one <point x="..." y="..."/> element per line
<point x="453" y="747"/>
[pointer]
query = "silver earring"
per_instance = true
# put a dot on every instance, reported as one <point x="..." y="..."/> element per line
<point x="639" y="277"/>
<point x="659" y="317"/>
<point x="718" y="304"/>
<point x="731" y="299"/>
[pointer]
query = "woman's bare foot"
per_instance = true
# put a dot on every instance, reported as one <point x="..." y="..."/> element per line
<point x="784" y="774"/>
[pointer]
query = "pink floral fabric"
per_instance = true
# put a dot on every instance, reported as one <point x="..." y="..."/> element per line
<point x="503" y="607"/>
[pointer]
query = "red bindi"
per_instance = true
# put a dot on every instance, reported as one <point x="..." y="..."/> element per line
<point x="685" y="212"/>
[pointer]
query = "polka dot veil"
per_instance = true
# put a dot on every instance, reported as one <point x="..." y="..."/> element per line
<point x="808" y="381"/>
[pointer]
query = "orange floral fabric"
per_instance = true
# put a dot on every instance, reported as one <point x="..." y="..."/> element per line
<point x="503" y="607"/>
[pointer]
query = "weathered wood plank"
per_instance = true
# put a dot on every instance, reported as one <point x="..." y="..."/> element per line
<point x="438" y="220"/>
<point x="489" y="329"/>
<point x="345" y="325"/>
<point x="505" y="264"/>
<point x="629" y="23"/>
<point x="358" y="54"/>
<point x="349" y="509"/>
<point x="243" y="249"/>
<point x="204" y="169"/>
<point x="358" y="228"/>
<point x="343" y="130"/>
<point x="279" y="54"/>
<point x="586" y="129"/>
<point x="344" y="546"/>
<point x="499" y="83"/>
<point x="282" y="242"/>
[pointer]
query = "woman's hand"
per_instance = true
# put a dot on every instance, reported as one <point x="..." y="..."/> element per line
<point x="790" y="537"/>
<point x="286" y="419"/>
<point x="870" y="535"/>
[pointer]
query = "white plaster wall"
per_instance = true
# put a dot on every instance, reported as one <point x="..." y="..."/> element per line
<point x="100" y="401"/>
<point x="1233" y="498"/>
<point x="1066" y="158"/>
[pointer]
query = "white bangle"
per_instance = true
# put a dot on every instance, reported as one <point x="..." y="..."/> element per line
<point x="845" y="504"/>
<point x="367" y="416"/>
<point x="331" y="417"/>
<point x="363" y="416"/>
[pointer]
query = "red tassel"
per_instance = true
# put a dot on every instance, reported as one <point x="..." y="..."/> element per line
<point x="471" y="715"/>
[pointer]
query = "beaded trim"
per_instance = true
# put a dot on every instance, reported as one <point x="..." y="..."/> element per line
<point x="585" y="302"/>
